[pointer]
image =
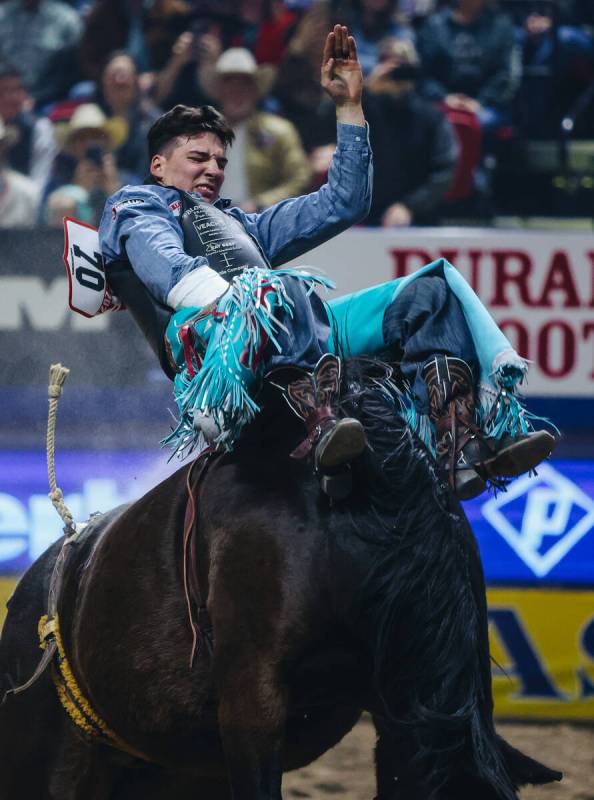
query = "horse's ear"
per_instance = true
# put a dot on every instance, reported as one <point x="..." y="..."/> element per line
<point x="523" y="769"/>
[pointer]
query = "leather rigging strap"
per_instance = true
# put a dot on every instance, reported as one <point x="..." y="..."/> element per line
<point x="196" y="595"/>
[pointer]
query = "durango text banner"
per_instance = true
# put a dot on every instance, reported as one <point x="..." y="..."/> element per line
<point x="539" y="287"/>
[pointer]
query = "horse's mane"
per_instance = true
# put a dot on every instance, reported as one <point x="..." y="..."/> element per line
<point x="425" y="594"/>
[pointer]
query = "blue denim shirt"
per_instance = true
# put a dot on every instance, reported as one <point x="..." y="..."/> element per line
<point x="142" y="222"/>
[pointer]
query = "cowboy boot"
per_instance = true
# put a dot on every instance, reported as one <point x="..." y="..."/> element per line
<point x="476" y="458"/>
<point x="335" y="442"/>
<point x="511" y="456"/>
<point x="452" y="409"/>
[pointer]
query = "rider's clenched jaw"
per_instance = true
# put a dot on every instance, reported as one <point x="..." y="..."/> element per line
<point x="187" y="149"/>
<point x="193" y="164"/>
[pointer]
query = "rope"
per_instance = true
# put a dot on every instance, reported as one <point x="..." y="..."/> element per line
<point x="57" y="377"/>
<point x="71" y="697"/>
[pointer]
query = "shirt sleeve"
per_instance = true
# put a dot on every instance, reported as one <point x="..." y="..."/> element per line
<point x="138" y="224"/>
<point x="292" y="227"/>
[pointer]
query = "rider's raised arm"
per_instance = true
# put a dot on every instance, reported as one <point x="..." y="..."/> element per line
<point x="140" y="224"/>
<point x="292" y="227"/>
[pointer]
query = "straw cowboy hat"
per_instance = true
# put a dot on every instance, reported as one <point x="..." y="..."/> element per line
<point x="239" y="61"/>
<point x="90" y="117"/>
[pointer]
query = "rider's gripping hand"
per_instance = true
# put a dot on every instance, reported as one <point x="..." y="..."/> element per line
<point x="341" y="75"/>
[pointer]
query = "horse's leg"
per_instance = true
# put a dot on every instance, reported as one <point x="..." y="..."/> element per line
<point x="154" y="783"/>
<point x="398" y="779"/>
<point x="386" y="768"/>
<point x="29" y="725"/>
<point x="252" y="712"/>
<point x="393" y="756"/>
<point x="82" y="771"/>
<point x="31" y="722"/>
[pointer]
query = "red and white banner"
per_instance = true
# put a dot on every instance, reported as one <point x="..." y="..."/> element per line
<point x="539" y="287"/>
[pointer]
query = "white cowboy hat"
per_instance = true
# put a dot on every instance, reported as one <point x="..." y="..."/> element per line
<point x="90" y="117"/>
<point x="239" y="61"/>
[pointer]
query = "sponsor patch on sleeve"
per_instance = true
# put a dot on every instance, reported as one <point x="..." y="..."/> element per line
<point x="175" y="208"/>
<point x="131" y="201"/>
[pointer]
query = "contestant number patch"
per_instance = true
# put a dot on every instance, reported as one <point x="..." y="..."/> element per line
<point x="89" y="293"/>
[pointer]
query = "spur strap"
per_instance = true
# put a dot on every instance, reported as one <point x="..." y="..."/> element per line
<point x="316" y="423"/>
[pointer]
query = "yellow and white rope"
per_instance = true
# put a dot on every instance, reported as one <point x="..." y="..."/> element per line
<point x="71" y="697"/>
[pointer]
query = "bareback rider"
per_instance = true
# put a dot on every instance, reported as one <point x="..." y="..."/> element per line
<point x="213" y="271"/>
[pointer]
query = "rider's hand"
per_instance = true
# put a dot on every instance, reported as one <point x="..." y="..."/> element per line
<point x="341" y="75"/>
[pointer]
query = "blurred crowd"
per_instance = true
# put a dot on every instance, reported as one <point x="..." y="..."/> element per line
<point x="450" y="89"/>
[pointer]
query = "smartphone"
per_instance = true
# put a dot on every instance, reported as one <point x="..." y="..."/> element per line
<point x="95" y="154"/>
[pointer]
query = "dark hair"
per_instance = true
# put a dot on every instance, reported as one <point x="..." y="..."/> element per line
<point x="187" y="121"/>
<point x="112" y="55"/>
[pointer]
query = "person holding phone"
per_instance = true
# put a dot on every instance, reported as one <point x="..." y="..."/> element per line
<point x="85" y="172"/>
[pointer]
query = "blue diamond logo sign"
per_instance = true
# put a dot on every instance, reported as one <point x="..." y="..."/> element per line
<point x="541" y="518"/>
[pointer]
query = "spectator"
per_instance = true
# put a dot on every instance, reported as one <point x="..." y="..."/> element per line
<point x="373" y="21"/>
<point x="558" y="61"/>
<point x="188" y="75"/>
<point x="470" y="61"/>
<point x="87" y="161"/>
<point x="35" y="149"/>
<point x="19" y="196"/>
<point x="298" y="96"/>
<point x="68" y="201"/>
<point x="145" y="30"/>
<point x="414" y="146"/>
<point x="120" y="97"/>
<point x="261" y="26"/>
<point x="310" y="34"/>
<point x="264" y="27"/>
<point x="267" y="162"/>
<point x="415" y="11"/>
<point x="276" y="29"/>
<point x="42" y="37"/>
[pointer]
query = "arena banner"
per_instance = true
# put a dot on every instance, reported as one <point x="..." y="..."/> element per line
<point x="541" y="530"/>
<point x="539" y="286"/>
<point x="543" y="645"/>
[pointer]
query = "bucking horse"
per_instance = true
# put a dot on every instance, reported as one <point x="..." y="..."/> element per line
<point x="234" y="623"/>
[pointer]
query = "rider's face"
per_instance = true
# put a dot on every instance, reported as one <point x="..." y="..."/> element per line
<point x="195" y="164"/>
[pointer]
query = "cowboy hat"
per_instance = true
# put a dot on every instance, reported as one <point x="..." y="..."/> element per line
<point x="239" y="61"/>
<point x="90" y="117"/>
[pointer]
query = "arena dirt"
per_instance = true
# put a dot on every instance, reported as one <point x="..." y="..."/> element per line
<point x="346" y="772"/>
